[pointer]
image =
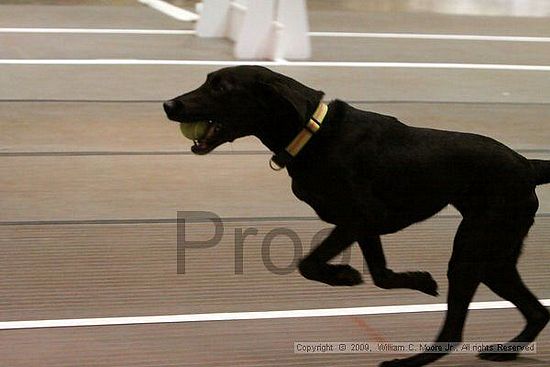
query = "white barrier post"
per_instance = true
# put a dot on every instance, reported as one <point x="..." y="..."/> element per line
<point x="221" y="18"/>
<point x="295" y="43"/>
<point x="237" y="15"/>
<point x="214" y="18"/>
<point x="255" y="36"/>
<point x="261" y="29"/>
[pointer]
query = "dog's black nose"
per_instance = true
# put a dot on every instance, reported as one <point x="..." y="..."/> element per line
<point x="173" y="107"/>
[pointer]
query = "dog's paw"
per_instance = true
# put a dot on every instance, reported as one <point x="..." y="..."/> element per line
<point x="423" y="282"/>
<point x="343" y="275"/>
<point x="396" y="363"/>
<point x="498" y="357"/>
<point x="392" y="363"/>
<point x="336" y="275"/>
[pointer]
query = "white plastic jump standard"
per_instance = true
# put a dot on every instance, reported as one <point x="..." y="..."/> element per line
<point x="213" y="21"/>
<point x="261" y="29"/>
<point x="292" y="15"/>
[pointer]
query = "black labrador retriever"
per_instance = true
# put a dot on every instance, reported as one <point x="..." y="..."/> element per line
<point x="370" y="174"/>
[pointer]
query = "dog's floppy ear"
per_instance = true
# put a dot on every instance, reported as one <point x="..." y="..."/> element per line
<point x="303" y="100"/>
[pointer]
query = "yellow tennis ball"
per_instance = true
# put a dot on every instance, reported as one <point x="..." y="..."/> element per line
<point x="194" y="130"/>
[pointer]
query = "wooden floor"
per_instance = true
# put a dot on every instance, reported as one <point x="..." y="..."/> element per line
<point x="92" y="177"/>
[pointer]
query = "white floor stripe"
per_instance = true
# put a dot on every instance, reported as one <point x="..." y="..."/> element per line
<point x="171" y="10"/>
<point x="256" y="315"/>
<point x="453" y="37"/>
<point x="405" y="65"/>
<point x="99" y="31"/>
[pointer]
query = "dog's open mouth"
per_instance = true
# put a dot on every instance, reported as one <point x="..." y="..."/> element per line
<point x="208" y="135"/>
<point x="211" y="139"/>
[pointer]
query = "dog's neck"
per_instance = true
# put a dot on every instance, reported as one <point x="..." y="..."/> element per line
<point x="277" y="131"/>
<point x="286" y="145"/>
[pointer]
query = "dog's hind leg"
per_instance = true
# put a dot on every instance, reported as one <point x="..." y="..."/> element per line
<point x="315" y="265"/>
<point x="505" y="281"/>
<point x="502" y="277"/>
<point x="462" y="286"/>
<point x="464" y="278"/>
<point x="372" y="250"/>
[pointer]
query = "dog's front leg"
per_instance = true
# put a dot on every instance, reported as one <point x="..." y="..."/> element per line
<point x="315" y="266"/>
<point x="371" y="247"/>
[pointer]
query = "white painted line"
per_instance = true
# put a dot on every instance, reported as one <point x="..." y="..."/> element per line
<point x="171" y="10"/>
<point x="403" y="65"/>
<point x="99" y="31"/>
<point x="256" y="315"/>
<point x="453" y="37"/>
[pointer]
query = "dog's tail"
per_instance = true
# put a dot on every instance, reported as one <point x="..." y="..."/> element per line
<point x="542" y="171"/>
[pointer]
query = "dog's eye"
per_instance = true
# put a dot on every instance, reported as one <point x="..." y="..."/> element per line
<point x="218" y="85"/>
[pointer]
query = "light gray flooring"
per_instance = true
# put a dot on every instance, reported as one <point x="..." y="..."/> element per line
<point x="92" y="176"/>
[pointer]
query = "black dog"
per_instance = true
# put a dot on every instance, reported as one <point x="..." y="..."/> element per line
<point x="370" y="175"/>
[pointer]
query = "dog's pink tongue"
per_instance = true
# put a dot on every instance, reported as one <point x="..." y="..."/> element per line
<point x="212" y="128"/>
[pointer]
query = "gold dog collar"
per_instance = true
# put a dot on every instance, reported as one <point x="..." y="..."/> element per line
<point x="280" y="160"/>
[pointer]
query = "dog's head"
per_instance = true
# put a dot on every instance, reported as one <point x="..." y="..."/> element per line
<point x="246" y="100"/>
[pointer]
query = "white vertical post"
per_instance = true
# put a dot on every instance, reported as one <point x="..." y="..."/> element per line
<point x="237" y="14"/>
<point x="295" y="42"/>
<point x="261" y="29"/>
<point x="214" y="18"/>
<point x="278" y="49"/>
<point x="254" y="40"/>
